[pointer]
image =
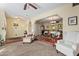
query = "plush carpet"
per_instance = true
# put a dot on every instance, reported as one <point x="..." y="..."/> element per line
<point x="36" y="48"/>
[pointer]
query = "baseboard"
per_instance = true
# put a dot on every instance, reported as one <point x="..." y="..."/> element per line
<point x="14" y="39"/>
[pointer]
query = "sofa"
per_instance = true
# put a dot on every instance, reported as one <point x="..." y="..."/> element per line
<point x="69" y="45"/>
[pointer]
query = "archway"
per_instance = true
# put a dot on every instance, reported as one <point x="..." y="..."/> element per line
<point x="52" y="26"/>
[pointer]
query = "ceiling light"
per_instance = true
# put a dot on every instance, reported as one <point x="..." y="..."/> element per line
<point x="15" y="17"/>
<point x="18" y="19"/>
<point x="49" y="18"/>
<point x="55" y="17"/>
<point x="53" y="22"/>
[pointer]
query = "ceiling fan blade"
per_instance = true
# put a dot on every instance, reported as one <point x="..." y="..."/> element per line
<point x="25" y="6"/>
<point x="33" y="6"/>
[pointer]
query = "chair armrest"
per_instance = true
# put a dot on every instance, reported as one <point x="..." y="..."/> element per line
<point x="75" y="46"/>
<point x="59" y="41"/>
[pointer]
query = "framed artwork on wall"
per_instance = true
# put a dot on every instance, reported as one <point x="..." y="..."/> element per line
<point x="75" y="4"/>
<point x="72" y="20"/>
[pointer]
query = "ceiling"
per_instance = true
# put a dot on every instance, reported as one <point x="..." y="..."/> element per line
<point x="16" y="9"/>
<point x="49" y="19"/>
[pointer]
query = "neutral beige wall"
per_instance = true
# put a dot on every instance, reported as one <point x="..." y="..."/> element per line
<point x="11" y="31"/>
<point x="38" y="27"/>
<point x="64" y="11"/>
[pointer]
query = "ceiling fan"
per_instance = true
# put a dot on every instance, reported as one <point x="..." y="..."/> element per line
<point x="29" y="4"/>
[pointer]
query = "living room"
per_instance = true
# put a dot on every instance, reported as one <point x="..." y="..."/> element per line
<point x="61" y="21"/>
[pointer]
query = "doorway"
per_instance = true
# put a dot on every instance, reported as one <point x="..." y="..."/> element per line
<point x="50" y="29"/>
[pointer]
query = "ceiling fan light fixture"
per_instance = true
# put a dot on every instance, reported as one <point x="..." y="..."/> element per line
<point x="31" y="5"/>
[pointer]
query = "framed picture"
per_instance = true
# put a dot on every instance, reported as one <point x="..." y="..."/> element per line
<point x="72" y="20"/>
<point x="75" y="4"/>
